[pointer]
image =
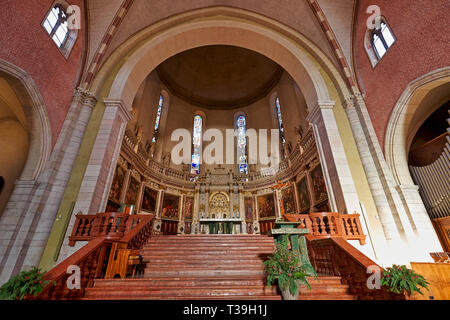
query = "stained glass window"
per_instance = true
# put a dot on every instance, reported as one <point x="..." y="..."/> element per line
<point x="197" y="144"/>
<point x="242" y="144"/>
<point x="280" y="120"/>
<point x="158" y="119"/>
<point x="382" y="40"/>
<point x="56" y="25"/>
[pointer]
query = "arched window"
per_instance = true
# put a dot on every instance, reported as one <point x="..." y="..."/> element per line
<point x="280" y="120"/>
<point x="242" y="144"/>
<point x="197" y="144"/>
<point x="377" y="42"/>
<point x="382" y="39"/>
<point x="158" y="119"/>
<point x="56" y="23"/>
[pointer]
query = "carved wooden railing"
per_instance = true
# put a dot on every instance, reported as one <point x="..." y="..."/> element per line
<point x="330" y="224"/>
<point x="336" y="257"/>
<point x="111" y="225"/>
<point x="287" y="167"/>
<point x="92" y="259"/>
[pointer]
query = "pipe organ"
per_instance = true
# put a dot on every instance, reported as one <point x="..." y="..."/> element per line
<point x="434" y="182"/>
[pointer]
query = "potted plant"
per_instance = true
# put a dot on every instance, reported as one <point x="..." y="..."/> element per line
<point x="401" y="280"/>
<point x="284" y="266"/>
<point x="26" y="283"/>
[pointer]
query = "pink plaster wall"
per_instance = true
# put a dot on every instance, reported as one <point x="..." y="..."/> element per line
<point x="421" y="29"/>
<point x="26" y="44"/>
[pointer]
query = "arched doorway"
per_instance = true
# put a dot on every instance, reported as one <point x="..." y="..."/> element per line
<point x="418" y="102"/>
<point x="26" y="143"/>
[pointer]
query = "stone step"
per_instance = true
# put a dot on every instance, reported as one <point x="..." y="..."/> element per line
<point x="179" y="282"/>
<point x="228" y="246"/>
<point x="202" y="272"/>
<point x="202" y="267"/>
<point x="180" y="248"/>
<point x="145" y="297"/>
<point x="327" y="297"/>
<point x="187" y="260"/>
<point x="190" y="291"/>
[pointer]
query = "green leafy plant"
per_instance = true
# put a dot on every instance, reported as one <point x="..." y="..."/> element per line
<point x="400" y="279"/>
<point x="284" y="266"/>
<point x="25" y="283"/>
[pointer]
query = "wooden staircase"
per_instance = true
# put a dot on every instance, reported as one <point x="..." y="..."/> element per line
<point x="201" y="267"/>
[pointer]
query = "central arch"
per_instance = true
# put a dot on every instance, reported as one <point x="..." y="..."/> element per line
<point x="322" y="86"/>
<point x="119" y="78"/>
<point x="143" y="52"/>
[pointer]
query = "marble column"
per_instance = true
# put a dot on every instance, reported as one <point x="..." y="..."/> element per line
<point x="93" y="195"/>
<point x="399" y="222"/>
<point x="338" y="178"/>
<point x="31" y="211"/>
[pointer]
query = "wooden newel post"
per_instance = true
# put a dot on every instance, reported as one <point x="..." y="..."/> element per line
<point x="296" y="237"/>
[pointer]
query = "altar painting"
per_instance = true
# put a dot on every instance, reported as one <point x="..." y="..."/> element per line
<point x="303" y="195"/>
<point x="318" y="184"/>
<point x="248" y="208"/>
<point x="288" y="199"/>
<point x="132" y="192"/>
<point x="170" y="206"/>
<point x="117" y="184"/>
<point x="188" y="208"/>
<point x="266" y="206"/>
<point x="149" y="200"/>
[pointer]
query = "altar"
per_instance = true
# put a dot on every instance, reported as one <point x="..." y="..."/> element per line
<point x="222" y="225"/>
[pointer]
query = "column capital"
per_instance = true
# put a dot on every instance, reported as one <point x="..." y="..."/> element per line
<point x="349" y="103"/>
<point x="314" y="114"/>
<point x="124" y="111"/>
<point x="84" y="96"/>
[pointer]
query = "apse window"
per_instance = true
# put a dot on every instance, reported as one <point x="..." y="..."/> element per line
<point x="242" y="144"/>
<point x="280" y="119"/>
<point x="56" y="25"/>
<point x="158" y="119"/>
<point x="197" y="144"/>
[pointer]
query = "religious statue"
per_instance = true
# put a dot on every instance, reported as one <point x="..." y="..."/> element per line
<point x="280" y="186"/>
<point x="299" y="133"/>
<point x="166" y="159"/>
<point x="287" y="149"/>
<point x="152" y="150"/>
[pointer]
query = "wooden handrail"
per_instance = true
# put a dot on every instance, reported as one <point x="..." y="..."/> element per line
<point x="330" y="224"/>
<point x="112" y="225"/>
<point x="336" y="257"/>
<point x="92" y="259"/>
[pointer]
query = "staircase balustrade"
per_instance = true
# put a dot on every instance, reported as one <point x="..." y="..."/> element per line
<point x="336" y="257"/>
<point x="330" y="224"/>
<point x="130" y="232"/>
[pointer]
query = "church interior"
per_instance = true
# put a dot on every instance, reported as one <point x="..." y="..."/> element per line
<point x="164" y="150"/>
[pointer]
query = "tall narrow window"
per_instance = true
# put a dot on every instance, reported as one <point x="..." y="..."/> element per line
<point x="242" y="144"/>
<point x="197" y="144"/>
<point x="382" y="40"/>
<point x="56" y="25"/>
<point x="2" y="183"/>
<point x="158" y="119"/>
<point x="280" y="120"/>
<point x="62" y="24"/>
